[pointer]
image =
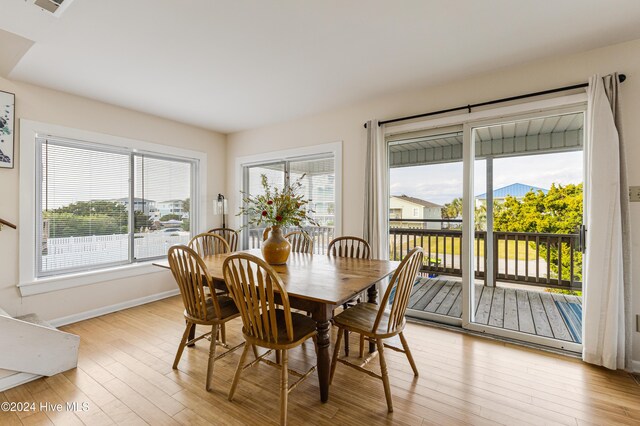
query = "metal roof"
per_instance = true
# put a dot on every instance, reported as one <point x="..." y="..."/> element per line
<point x="517" y="190"/>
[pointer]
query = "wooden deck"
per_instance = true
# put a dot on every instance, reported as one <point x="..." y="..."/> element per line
<point x="545" y="314"/>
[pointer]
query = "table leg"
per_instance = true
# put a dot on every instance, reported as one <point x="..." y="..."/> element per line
<point x="372" y="297"/>
<point x="324" y="358"/>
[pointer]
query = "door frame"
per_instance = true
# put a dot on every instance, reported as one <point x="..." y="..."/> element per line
<point x="534" y="109"/>
<point x="468" y="226"/>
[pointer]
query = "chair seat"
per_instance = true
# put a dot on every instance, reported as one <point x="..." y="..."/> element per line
<point x="361" y="318"/>
<point x="303" y="328"/>
<point x="228" y="309"/>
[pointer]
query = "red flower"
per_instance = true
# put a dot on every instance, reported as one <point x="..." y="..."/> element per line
<point x="264" y="212"/>
<point x="279" y="218"/>
<point x="269" y="202"/>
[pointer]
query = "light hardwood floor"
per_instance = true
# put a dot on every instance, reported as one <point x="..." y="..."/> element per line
<point x="124" y="374"/>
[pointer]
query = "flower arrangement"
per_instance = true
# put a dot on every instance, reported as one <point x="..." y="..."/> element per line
<point x="277" y="207"/>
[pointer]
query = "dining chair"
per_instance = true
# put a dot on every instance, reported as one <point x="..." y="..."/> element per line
<point x="209" y="244"/>
<point x="349" y="246"/>
<point x="300" y="241"/>
<point x="267" y="319"/>
<point x="229" y="235"/>
<point x="192" y="276"/>
<point x="376" y="324"/>
<point x="353" y="247"/>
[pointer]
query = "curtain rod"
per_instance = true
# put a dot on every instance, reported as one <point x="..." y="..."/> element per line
<point x="621" y="77"/>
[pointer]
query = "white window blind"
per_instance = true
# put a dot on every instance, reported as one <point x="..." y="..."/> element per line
<point x="162" y="202"/>
<point x="318" y="186"/>
<point x="100" y="206"/>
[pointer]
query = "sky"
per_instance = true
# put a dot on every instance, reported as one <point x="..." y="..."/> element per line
<point x="441" y="183"/>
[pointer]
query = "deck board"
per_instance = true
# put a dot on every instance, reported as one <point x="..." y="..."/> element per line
<point x="418" y="291"/>
<point x="525" y="317"/>
<point x="540" y="319"/>
<point x="496" y="318"/>
<point x="456" y="309"/>
<point x="532" y="312"/>
<point x="558" y="326"/>
<point x="429" y="295"/>
<point x="484" y="305"/>
<point x="447" y="303"/>
<point x="439" y="297"/>
<point x="510" y="310"/>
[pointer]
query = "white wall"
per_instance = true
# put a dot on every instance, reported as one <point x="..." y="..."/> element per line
<point x="49" y="106"/>
<point x="346" y="124"/>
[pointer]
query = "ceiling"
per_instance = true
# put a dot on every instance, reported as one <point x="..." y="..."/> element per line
<point x="557" y="133"/>
<point x="234" y="65"/>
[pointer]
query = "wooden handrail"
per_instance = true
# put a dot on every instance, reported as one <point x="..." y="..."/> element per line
<point x="443" y="248"/>
<point x="9" y="224"/>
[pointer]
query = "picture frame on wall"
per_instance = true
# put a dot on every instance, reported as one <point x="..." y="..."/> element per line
<point x="7" y="129"/>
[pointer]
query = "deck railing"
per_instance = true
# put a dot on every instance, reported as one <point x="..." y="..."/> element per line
<point x="321" y="236"/>
<point x="536" y="259"/>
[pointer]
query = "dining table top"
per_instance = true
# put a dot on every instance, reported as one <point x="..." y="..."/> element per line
<point x="316" y="277"/>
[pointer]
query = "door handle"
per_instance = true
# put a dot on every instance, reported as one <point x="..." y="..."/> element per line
<point x="582" y="238"/>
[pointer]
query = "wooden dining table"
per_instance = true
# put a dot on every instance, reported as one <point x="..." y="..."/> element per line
<point x="318" y="284"/>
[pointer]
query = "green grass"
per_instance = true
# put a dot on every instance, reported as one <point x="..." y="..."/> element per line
<point x="453" y="246"/>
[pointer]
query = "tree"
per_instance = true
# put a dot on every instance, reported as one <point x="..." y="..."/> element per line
<point x="171" y="216"/>
<point x="452" y="210"/>
<point x="557" y="212"/>
<point x="141" y="220"/>
<point x="186" y="205"/>
<point x="99" y="217"/>
<point x="85" y="218"/>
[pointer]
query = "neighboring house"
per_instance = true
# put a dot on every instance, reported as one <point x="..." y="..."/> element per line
<point x="140" y="205"/>
<point x="171" y="207"/>
<point x="405" y="207"/>
<point x="517" y="190"/>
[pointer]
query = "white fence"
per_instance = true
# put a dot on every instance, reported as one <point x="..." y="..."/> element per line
<point x="79" y="252"/>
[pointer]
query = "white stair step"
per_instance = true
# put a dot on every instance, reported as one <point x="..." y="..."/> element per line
<point x="15" y="378"/>
<point x="35" y="319"/>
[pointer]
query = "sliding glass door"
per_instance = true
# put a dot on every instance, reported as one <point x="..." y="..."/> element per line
<point x="497" y="207"/>
<point x="527" y="215"/>
<point x="318" y="185"/>
<point x="425" y="210"/>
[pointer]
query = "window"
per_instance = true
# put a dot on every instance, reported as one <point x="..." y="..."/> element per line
<point x="415" y="212"/>
<point x="319" y="169"/>
<point x="101" y="206"/>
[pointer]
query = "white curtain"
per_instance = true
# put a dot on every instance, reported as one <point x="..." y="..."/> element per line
<point x="606" y="266"/>
<point x="376" y="197"/>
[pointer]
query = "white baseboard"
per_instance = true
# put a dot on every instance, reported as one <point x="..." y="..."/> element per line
<point x="16" y="379"/>
<point x="112" y="308"/>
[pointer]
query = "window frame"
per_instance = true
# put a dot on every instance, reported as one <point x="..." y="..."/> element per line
<point x="334" y="149"/>
<point x="30" y="180"/>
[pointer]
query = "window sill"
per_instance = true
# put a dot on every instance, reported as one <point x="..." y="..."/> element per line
<point x="61" y="282"/>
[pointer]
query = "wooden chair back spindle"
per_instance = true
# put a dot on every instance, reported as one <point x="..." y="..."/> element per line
<point x="402" y="281"/>
<point x="253" y="285"/>
<point x="353" y="247"/>
<point x="300" y="241"/>
<point x="208" y="244"/>
<point x="192" y="277"/>
<point x="229" y="235"/>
